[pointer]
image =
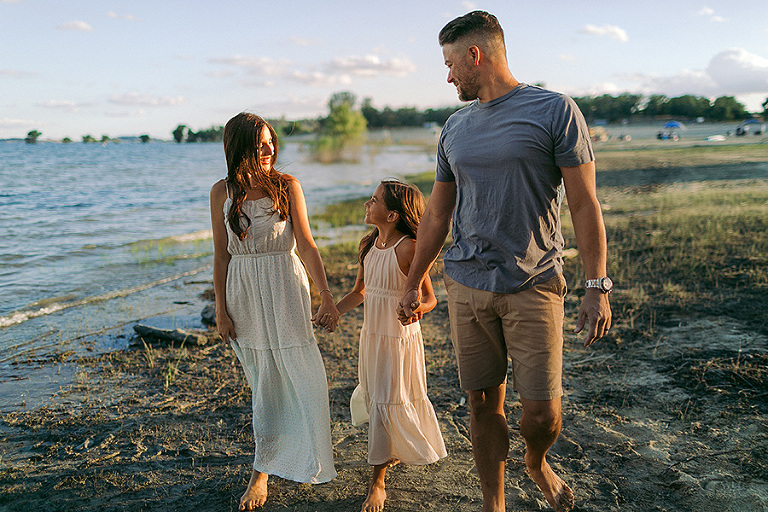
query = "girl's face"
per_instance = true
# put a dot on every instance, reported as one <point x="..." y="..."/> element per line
<point x="376" y="211"/>
<point x="267" y="149"/>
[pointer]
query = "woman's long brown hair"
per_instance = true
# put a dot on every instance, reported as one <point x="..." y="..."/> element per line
<point x="242" y="147"/>
<point x="405" y="199"/>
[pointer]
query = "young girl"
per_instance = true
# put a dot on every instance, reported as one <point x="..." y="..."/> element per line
<point x="259" y="220"/>
<point x="392" y="394"/>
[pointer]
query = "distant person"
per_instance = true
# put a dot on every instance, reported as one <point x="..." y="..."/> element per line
<point x="501" y="165"/>
<point x="392" y="394"/>
<point x="259" y="220"/>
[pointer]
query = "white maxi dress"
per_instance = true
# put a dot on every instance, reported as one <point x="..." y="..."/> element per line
<point x="392" y="393"/>
<point x="268" y="301"/>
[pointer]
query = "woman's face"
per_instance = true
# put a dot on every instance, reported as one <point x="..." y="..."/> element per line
<point x="266" y="149"/>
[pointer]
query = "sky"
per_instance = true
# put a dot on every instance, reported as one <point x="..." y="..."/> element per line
<point x="130" y="67"/>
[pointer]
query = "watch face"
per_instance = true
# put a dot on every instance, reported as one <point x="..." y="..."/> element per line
<point x="606" y="284"/>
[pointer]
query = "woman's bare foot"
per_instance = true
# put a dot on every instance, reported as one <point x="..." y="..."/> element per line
<point x="256" y="494"/>
<point x="557" y="493"/>
<point x="393" y="462"/>
<point x="375" y="500"/>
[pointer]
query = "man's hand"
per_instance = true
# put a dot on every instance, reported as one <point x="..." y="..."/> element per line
<point x="596" y="309"/>
<point x="406" y="307"/>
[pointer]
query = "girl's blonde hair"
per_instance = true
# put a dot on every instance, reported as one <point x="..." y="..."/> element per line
<point x="403" y="198"/>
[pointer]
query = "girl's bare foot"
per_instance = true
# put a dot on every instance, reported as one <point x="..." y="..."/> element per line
<point x="375" y="500"/>
<point x="557" y="493"/>
<point x="256" y="494"/>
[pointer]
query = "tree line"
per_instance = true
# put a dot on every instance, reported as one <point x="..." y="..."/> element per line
<point x="628" y="106"/>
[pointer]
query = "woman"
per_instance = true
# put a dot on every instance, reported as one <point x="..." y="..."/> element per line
<point x="259" y="220"/>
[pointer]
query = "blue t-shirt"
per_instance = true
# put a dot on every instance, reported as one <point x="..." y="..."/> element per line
<point x="505" y="156"/>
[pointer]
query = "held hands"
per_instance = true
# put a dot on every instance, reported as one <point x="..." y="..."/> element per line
<point x="327" y="315"/>
<point x="407" y="308"/>
<point x="596" y="309"/>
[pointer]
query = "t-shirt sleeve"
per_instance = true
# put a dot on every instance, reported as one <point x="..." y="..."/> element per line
<point x="444" y="172"/>
<point x="572" y="144"/>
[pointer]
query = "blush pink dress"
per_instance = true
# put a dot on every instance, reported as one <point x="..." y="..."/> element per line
<point x="392" y="393"/>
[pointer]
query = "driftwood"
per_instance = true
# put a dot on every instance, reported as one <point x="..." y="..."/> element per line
<point x="209" y="315"/>
<point x="176" y="335"/>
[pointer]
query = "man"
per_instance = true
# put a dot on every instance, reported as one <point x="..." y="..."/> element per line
<point x="502" y="164"/>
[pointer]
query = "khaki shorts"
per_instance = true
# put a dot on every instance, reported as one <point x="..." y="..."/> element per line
<point x="527" y="326"/>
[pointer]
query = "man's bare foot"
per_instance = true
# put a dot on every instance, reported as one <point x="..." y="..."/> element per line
<point x="256" y="494"/>
<point x="557" y="493"/>
<point x="375" y="500"/>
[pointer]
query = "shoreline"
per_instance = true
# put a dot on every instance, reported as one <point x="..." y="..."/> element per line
<point x="666" y="413"/>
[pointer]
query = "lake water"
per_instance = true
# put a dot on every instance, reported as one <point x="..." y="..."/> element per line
<point x="94" y="238"/>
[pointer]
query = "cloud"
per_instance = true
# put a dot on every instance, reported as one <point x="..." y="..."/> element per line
<point x="732" y="72"/>
<point x="7" y="122"/>
<point x="370" y="66"/>
<point x="254" y="65"/>
<point x="77" y="26"/>
<point x="611" y="31"/>
<point x="470" y="6"/>
<point x="125" y="17"/>
<point x="302" y="41"/>
<point x="15" y="73"/>
<point x="710" y="13"/>
<point x="132" y="113"/>
<point x="139" y="100"/>
<point x="338" y="71"/>
<point x="737" y="70"/>
<point x="318" y="79"/>
<point x="65" y="105"/>
<point x="566" y="57"/>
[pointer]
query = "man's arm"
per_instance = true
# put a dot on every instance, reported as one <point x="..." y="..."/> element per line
<point x="433" y="229"/>
<point x="587" y="217"/>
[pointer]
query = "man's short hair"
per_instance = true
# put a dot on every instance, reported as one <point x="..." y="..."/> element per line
<point x="479" y="24"/>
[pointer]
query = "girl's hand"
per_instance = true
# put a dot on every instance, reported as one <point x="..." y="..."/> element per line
<point x="406" y="308"/>
<point x="226" y="327"/>
<point x="327" y="315"/>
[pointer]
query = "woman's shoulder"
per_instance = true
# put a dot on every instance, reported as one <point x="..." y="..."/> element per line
<point x="219" y="190"/>
<point x="290" y="179"/>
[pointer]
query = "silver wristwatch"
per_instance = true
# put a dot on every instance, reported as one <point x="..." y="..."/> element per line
<point x="604" y="284"/>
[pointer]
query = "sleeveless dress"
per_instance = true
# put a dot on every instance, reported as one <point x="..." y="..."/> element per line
<point x="392" y="394"/>
<point x="268" y="301"/>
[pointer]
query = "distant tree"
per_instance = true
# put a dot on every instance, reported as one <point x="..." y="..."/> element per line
<point x="213" y="134"/>
<point x="726" y="108"/>
<point x="765" y="109"/>
<point x="656" y="105"/>
<point x="87" y="139"/>
<point x="440" y="115"/>
<point x="688" y="106"/>
<point x="104" y="139"/>
<point x="342" y="133"/>
<point x="405" y="116"/>
<point x="144" y="138"/>
<point x="178" y="133"/>
<point x="32" y="137"/>
<point x="66" y="140"/>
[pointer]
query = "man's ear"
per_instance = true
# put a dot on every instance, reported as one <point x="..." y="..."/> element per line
<point x="474" y="53"/>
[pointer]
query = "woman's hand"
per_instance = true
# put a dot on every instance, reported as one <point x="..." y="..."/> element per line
<point x="226" y="327"/>
<point x="327" y="315"/>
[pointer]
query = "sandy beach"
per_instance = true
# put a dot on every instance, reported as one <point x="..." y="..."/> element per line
<point x="668" y="413"/>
